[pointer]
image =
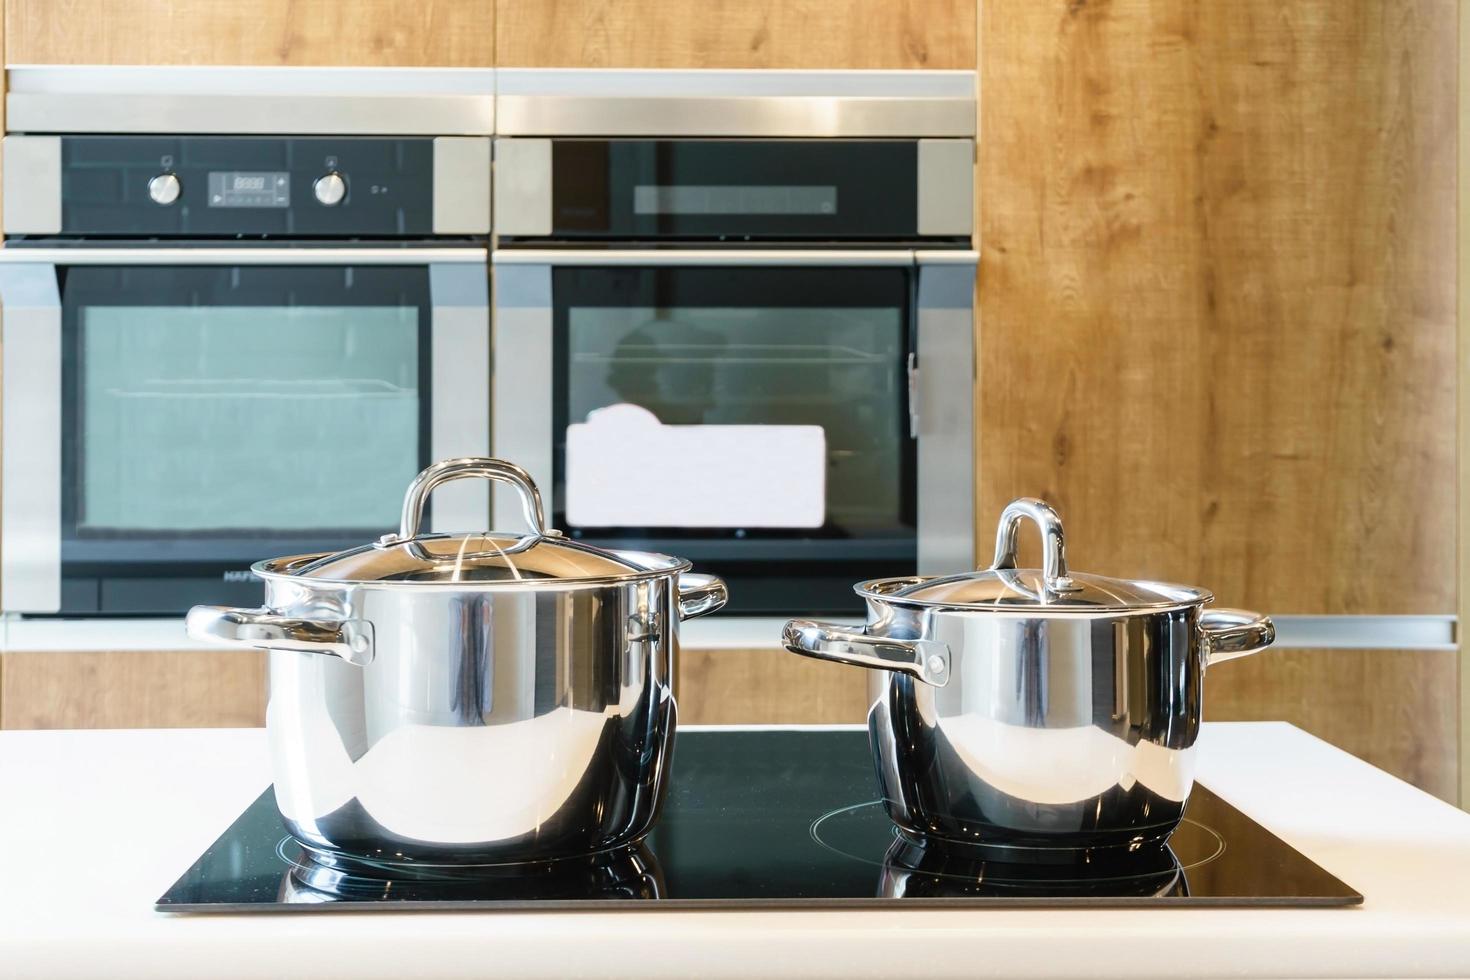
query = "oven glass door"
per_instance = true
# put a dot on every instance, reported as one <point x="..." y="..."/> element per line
<point x="216" y="415"/>
<point x="754" y="420"/>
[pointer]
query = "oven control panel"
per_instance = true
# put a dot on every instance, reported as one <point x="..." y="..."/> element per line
<point x="227" y="186"/>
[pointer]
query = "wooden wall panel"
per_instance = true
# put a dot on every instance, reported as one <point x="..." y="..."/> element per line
<point x="374" y="33"/>
<point x="1394" y="708"/>
<point x="1463" y="373"/>
<point x="767" y="687"/>
<point x="133" y="689"/>
<point x="736" y="33"/>
<point x="1217" y="292"/>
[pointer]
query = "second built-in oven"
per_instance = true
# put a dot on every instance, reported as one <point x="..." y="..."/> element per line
<point x="754" y="353"/>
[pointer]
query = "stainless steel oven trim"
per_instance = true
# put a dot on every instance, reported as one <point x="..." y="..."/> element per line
<point x="250" y="100"/>
<point x="711" y="257"/>
<point x="523" y="186"/>
<point x="768" y="116"/>
<point x="751" y="102"/>
<point x="461" y="185"/>
<point x="521" y="378"/>
<point x="946" y="187"/>
<point x="32" y="185"/>
<point x="957" y="256"/>
<point x="30" y="452"/>
<point x="460" y="393"/>
<point x="944" y="382"/>
<point x="931" y="83"/>
<point x="366" y="255"/>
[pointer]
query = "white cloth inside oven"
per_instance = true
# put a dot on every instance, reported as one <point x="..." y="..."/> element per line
<point x="625" y="468"/>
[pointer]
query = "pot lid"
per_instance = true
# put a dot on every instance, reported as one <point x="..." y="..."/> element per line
<point x="537" y="555"/>
<point x="1051" y="588"/>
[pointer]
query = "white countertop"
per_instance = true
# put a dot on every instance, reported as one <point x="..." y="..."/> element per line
<point x="96" y="825"/>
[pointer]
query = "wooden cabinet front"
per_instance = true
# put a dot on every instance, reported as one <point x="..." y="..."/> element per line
<point x="1394" y="708"/>
<point x="736" y="33"/>
<point x="132" y="689"/>
<point x="373" y="33"/>
<point x="767" y="686"/>
<point x="1217" y="292"/>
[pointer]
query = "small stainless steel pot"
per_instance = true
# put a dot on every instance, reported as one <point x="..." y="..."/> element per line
<point x="1022" y="708"/>
<point x="469" y="697"/>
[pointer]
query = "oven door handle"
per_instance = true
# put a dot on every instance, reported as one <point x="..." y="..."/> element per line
<point x="659" y="258"/>
<point x="209" y="255"/>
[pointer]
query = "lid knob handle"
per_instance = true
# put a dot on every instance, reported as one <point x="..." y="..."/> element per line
<point x="484" y="467"/>
<point x="1053" y="543"/>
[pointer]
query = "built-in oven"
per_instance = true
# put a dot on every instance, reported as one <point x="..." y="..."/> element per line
<point x="755" y="352"/>
<point x="222" y="348"/>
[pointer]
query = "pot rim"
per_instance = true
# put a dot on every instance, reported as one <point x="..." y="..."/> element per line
<point x="878" y="590"/>
<point x="281" y="569"/>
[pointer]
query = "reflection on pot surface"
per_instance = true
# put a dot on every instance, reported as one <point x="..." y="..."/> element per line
<point x="941" y="870"/>
<point x="477" y="697"/>
<point x="1035" y="707"/>
<point x="317" y="876"/>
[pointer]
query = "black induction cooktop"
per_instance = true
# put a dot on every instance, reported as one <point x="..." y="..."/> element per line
<point x="765" y="819"/>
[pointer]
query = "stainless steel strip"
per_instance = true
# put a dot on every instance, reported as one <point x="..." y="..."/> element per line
<point x="30" y="450"/>
<point x="32" y="185"/>
<point x="950" y="256"/>
<point x="944" y="382"/>
<point x="307" y="115"/>
<point x="770" y="116"/>
<point x="732" y="633"/>
<point x="1367" y="632"/>
<point x="523" y="187"/>
<point x="749" y="82"/>
<point x="520" y="414"/>
<point x="460" y="388"/>
<point x="946" y="189"/>
<point x="705" y="257"/>
<point x="461" y="185"/>
<point x="366" y="255"/>
<point x="212" y="99"/>
<point x="733" y="102"/>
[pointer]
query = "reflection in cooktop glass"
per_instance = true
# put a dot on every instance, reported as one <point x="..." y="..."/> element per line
<point x="765" y="818"/>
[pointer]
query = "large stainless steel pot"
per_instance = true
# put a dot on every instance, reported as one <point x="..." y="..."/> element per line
<point x="469" y="697"/>
<point x="1025" y="708"/>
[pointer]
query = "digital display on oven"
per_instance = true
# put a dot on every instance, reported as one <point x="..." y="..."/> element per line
<point x="249" y="189"/>
<point x="734" y="199"/>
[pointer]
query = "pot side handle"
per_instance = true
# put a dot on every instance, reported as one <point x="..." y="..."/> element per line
<point x="1231" y="633"/>
<point x="700" y="595"/>
<point x="349" y="639"/>
<point x="926" y="660"/>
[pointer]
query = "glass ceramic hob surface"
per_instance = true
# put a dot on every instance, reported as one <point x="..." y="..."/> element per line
<point x="764" y="819"/>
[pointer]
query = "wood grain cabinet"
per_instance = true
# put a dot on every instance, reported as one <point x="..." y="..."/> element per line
<point x="374" y="33"/>
<point x="1394" y="708"/>
<point x="1217" y="292"/>
<point x="767" y="686"/>
<point x="736" y="33"/>
<point x="132" y="689"/>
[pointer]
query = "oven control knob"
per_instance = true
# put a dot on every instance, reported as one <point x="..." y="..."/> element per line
<point x="330" y="188"/>
<point x="164" y="189"/>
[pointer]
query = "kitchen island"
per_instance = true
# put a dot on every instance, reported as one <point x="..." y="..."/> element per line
<point x="98" y="824"/>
